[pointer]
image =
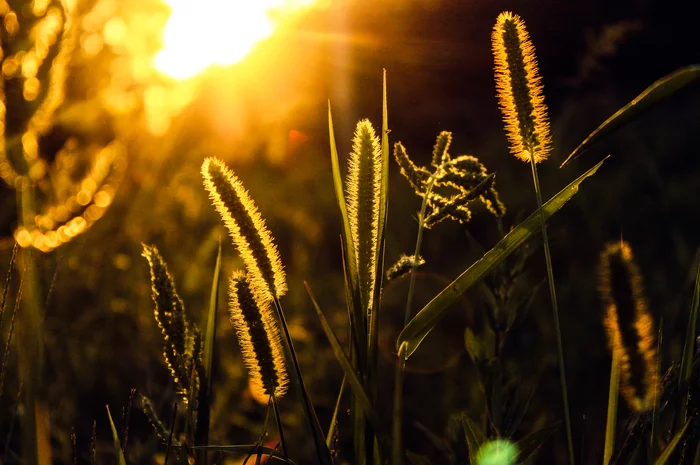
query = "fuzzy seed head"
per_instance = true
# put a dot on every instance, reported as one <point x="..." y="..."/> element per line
<point x="403" y="266"/>
<point x="364" y="186"/>
<point x="519" y="88"/>
<point x="259" y="339"/>
<point x="169" y="312"/>
<point x="629" y="326"/>
<point x="247" y="229"/>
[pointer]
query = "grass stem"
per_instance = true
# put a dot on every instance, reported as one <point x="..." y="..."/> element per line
<point x="555" y="310"/>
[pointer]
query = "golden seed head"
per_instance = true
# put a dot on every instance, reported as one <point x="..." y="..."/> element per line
<point x="364" y="186"/>
<point x="628" y="324"/>
<point x="519" y="88"/>
<point x="259" y="338"/>
<point x="246" y="227"/>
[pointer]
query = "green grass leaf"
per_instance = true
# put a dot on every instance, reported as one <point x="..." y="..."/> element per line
<point x="334" y="418"/>
<point x="655" y="93"/>
<point x="474" y="436"/>
<point x="204" y="398"/>
<point x="117" y="446"/>
<point x="611" y="422"/>
<point x="424" y="322"/>
<point x="688" y="347"/>
<point x="528" y="445"/>
<point x="663" y="458"/>
<point x="352" y="379"/>
<point x="248" y="449"/>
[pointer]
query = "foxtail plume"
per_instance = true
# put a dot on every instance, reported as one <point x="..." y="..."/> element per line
<point x="259" y="338"/>
<point x="364" y="186"/>
<point x="247" y="229"/>
<point x="629" y="326"/>
<point x="519" y="88"/>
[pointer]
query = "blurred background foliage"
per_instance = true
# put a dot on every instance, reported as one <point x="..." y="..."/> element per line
<point x="266" y="117"/>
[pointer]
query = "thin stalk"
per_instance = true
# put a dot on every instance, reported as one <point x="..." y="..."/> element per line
<point x="278" y="417"/>
<point x="322" y="452"/>
<point x="263" y="432"/>
<point x="555" y="309"/>
<point x="397" y="442"/>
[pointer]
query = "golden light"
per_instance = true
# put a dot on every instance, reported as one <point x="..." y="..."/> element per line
<point x="217" y="32"/>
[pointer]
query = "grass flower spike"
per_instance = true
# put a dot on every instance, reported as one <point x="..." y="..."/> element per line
<point x="247" y="229"/>
<point x="519" y="89"/>
<point x="364" y="186"/>
<point x="629" y="325"/>
<point x="259" y="338"/>
<point x="180" y="335"/>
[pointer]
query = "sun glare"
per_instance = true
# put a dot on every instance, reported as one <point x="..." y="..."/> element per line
<point x="217" y="32"/>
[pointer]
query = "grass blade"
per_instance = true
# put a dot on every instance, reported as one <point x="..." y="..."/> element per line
<point x="117" y="446"/>
<point x="201" y="435"/>
<point x="655" y="93"/>
<point x="352" y="379"/>
<point x="334" y="418"/>
<point x="687" y="360"/>
<point x="350" y="261"/>
<point x="611" y="421"/>
<point x="474" y="436"/>
<point x="531" y="443"/>
<point x="322" y="453"/>
<point x="248" y="449"/>
<point x="663" y="458"/>
<point x="424" y="322"/>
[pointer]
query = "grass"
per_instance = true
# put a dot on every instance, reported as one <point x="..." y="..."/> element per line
<point x="452" y="189"/>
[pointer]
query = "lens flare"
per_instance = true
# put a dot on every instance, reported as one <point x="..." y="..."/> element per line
<point x="217" y="32"/>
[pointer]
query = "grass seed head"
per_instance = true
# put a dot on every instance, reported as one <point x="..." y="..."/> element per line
<point x="246" y="228"/>
<point x="628" y="324"/>
<point x="259" y="339"/>
<point x="519" y="88"/>
<point x="363" y="187"/>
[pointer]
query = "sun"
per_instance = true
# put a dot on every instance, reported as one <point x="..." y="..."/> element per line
<point x="203" y="33"/>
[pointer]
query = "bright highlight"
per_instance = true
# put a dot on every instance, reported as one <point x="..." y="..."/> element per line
<point x="217" y="32"/>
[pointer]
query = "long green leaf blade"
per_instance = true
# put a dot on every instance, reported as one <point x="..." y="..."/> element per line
<point x="351" y="377"/>
<point x="531" y="443"/>
<point x="340" y="196"/>
<point x="663" y="458"/>
<point x="655" y="93"/>
<point x="611" y="422"/>
<point x="424" y="322"/>
<point x="688" y="348"/>
<point x="204" y="401"/>
<point x="248" y="449"/>
<point x="117" y="446"/>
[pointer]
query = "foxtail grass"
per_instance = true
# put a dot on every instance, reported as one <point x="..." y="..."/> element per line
<point x="265" y="271"/>
<point x="246" y="228"/>
<point x="259" y="339"/>
<point x="628" y="324"/>
<point x="521" y="99"/>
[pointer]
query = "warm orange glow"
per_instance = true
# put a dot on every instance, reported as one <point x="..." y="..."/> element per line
<point x="217" y="32"/>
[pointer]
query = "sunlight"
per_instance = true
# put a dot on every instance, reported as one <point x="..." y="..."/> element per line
<point x="217" y="32"/>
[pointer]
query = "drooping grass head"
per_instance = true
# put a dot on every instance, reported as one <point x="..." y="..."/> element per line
<point x="259" y="338"/>
<point x="628" y="324"/>
<point x="247" y="229"/>
<point x="519" y="88"/>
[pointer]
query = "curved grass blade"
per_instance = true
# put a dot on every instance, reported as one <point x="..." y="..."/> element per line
<point x="474" y="436"/>
<point x="248" y="449"/>
<point x="528" y="445"/>
<point x="424" y="322"/>
<point x="611" y="421"/>
<point x="352" y="379"/>
<point x="663" y="458"/>
<point x="687" y="360"/>
<point x="201" y="435"/>
<point x="117" y="446"/>
<point x="655" y="93"/>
